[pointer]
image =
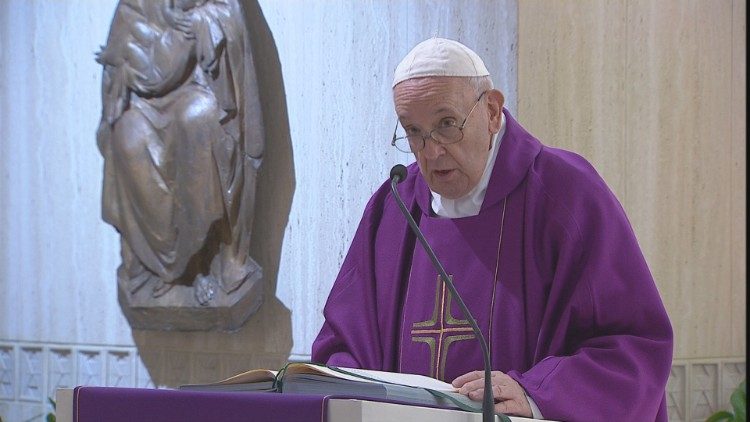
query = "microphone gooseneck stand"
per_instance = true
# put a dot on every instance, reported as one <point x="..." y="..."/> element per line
<point x="398" y="174"/>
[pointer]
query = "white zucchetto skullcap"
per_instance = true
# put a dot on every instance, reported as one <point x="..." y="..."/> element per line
<point x="439" y="57"/>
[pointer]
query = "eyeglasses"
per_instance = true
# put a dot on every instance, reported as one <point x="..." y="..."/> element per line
<point x="443" y="135"/>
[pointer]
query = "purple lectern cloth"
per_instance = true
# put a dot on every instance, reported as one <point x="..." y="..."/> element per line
<point x="550" y="268"/>
<point x="97" y="404"/>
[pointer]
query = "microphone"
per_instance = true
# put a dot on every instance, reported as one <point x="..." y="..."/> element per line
<point x="398" y="171"/>
<point x="398" y="175"/>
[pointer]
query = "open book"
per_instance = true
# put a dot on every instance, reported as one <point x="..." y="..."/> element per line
<point x="329" y="380"/>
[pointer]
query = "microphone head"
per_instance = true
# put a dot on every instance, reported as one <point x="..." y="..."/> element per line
<point x="399" y="172"/>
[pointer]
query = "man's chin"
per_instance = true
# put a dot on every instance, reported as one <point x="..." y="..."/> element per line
<point x="448" y="192"/>
<point x="450" y="185"/>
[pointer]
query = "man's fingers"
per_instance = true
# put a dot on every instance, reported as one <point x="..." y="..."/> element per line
<point x="475" y="380"/>
<point x="512" y="407"/>
<point x="478" y="375"/>
<point x="498" y="393"/>
<point x="477" y="394"/>
<point x="501" y="378"/>
<point x="471" y="376"/>
<point x="506" y="391"/>
<point x="477" y="384"/>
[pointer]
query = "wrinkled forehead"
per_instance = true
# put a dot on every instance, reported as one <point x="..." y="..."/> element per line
<point x="431" y="94"/>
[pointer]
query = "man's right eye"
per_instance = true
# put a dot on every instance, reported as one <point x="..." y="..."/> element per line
<point x="448" y="122"/>
<point x="412" y="131"/>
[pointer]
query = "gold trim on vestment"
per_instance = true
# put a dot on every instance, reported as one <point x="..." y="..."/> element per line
<point x="438" y="328"/>
<point x="495" y="281"/>
<point x="439" y="332"/>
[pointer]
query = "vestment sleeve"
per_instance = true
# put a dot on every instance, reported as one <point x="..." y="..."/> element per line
<point x="606" y="332"/>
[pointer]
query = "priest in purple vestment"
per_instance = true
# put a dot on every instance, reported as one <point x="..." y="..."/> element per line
<point x="537" y="245"/>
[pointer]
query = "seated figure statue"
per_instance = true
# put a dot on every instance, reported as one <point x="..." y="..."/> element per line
<point x="181" y="144"/>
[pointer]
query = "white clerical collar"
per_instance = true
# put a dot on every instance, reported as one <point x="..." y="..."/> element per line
<point x="470" y="204"/>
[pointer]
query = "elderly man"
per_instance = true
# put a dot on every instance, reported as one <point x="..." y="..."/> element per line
<point x="537" y="245"/>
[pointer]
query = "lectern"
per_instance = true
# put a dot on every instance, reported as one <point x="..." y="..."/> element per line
<point x="94" y="404"/>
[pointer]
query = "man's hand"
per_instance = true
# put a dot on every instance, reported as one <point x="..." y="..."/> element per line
<point x="510" y="397"/>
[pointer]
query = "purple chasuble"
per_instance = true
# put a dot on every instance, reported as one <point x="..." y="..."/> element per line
<point x="434" y="330"/>
<point x="551" y="270"/>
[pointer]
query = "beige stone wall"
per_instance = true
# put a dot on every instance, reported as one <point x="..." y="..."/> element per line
<point x="653" y="94"/>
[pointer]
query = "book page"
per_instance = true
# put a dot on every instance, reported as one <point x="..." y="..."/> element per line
<point x="367" y="375"/>
<point x="254" y="375"/>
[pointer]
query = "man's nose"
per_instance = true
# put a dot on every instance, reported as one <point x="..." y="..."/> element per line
<point x="432" y="148"/>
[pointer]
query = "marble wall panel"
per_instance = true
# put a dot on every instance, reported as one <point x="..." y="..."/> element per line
<point x="90" y="367"/>
<point x="6" y="410"/>
<point x="31" y="374"/>
<point x="732" y="374"/>
<point x="120" y="369"/>
<point x="571" y="80"/>
<point x="704" y="391"/>
<point x="41" y="368"/>
<point x="677" y="400"/>
<point x="8" y="381"/>
<point x="653" y="95"/>
<point x="61" y="370"/>
<point x="8" y="378"/>
<point x="738" y="183"/>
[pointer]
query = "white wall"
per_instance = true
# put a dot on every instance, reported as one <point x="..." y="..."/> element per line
<point x="60" y="323"/>
<point x="337" y="61"/>
<point x="57" y="258"/>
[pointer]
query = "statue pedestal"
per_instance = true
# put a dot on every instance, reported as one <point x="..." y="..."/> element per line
<point x="179" y="309"/>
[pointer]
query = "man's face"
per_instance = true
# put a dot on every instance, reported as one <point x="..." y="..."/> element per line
<point x="423" y="104"/>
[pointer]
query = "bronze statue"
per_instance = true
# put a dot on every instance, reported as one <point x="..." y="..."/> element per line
<point x="182" y="139"/>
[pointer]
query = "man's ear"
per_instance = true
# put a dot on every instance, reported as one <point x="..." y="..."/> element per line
<point x="495" y="102"/>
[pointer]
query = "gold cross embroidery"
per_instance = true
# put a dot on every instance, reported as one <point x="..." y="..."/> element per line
<point x="440" y="331"/>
